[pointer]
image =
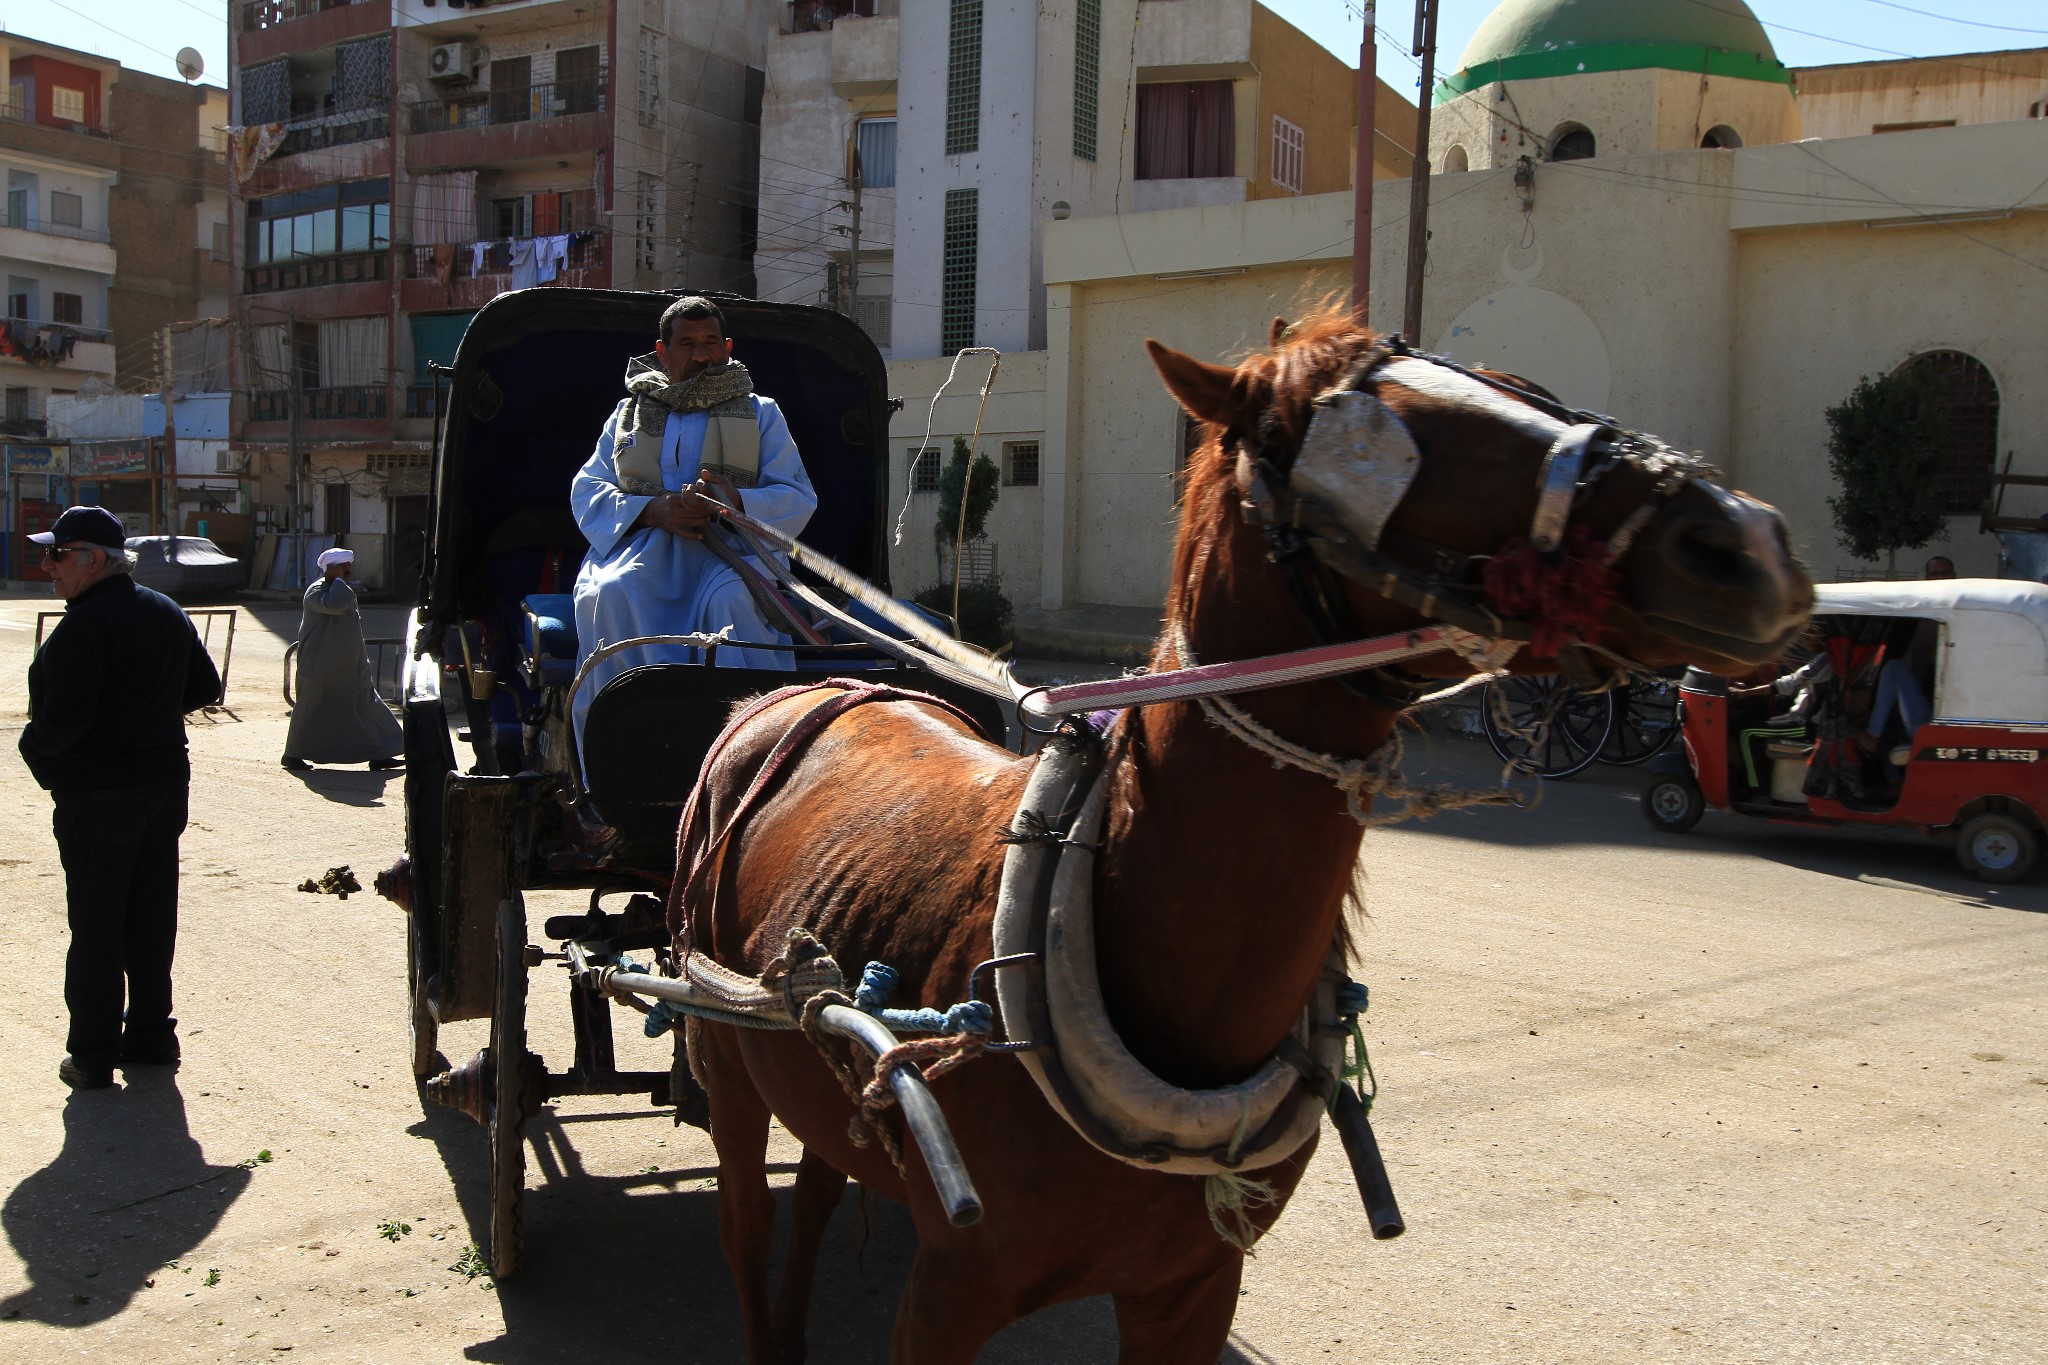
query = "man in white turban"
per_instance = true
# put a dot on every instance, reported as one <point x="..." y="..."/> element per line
<point x="339" y="718"/>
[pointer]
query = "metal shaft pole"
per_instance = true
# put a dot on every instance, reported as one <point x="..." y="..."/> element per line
<point x="1418" y="184"/>
<point x="1362" y="171"/>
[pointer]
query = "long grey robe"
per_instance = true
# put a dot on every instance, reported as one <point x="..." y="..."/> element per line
<point x="339" y="717"/>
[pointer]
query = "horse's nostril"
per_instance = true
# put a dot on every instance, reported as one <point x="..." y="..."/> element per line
<point x="1711" y="551"/>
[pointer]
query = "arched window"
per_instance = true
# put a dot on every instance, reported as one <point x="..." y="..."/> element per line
<point x="1721" y="135"/>
<point x="1456" y="160"/>
<point x="1571" y="142"/>
<point x="1969" y="400"/>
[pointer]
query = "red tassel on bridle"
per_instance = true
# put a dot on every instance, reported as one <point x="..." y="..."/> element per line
<point x="1562" y="597"/>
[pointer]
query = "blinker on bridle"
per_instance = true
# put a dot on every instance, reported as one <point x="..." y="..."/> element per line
<point x="1312" y="540"/>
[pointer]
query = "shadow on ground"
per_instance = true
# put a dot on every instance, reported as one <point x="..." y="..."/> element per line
<point x="129" y="1192"/>
<point x="628" y="1268"/>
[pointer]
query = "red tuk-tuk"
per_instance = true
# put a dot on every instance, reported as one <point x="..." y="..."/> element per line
<point x="1974" y="772"/>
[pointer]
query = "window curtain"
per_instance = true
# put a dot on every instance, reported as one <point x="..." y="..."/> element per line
<point x="444" y="208"/>
<point x="268" y="367"/>
<point x="1186" y="130"/>
<point x="362" y="73"/>
<point x="352" y="353"/>
<point x="267" y="92"/>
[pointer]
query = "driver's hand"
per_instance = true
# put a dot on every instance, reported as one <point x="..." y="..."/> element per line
<point x="676" y="514"/>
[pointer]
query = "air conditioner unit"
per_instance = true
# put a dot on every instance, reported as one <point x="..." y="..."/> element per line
<point x="231" y="462"/>
<point x="453" y="64"/>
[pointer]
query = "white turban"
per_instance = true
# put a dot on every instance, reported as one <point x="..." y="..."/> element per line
<point x="337" y="556"/>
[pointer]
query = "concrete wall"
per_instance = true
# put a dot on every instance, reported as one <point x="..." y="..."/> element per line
<point x="1303" y="83"/>
<point x="1978" y="87"/>
<point x="1628" y="112"/>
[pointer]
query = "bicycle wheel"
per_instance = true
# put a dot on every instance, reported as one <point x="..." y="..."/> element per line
<point x="1645" y="721"/>
<point x="1545" y="725"/>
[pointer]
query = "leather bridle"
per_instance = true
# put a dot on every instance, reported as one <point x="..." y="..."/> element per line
<point x="1317" y="551"/>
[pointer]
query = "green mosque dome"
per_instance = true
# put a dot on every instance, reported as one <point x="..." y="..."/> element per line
<point x="1531" y="39"/>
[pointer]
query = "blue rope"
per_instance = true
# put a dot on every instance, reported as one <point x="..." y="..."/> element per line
<point x="878" y="982"/>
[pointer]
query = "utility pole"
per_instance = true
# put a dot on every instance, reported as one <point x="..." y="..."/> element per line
<point x="296" y="396"/>
<point x="166" y="503"/>
<point x="1361" y="174"/>
<point x="853" y="247"/>
<point x="1418" y="184"/>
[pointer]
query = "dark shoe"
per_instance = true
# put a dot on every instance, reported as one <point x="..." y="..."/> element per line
<point x="158" y="1050"/>
<point x="81" y="1078"/>
<point x="385" y="765"/>
<point x="297" y="765"/>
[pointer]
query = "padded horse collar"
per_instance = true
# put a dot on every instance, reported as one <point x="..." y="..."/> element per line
<point x="1321" y="524"/>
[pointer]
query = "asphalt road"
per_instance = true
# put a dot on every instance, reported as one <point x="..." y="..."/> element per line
<point x="1749" y="1094"/>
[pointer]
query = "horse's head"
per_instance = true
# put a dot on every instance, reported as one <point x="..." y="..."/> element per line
<point x="1395" y="489"/>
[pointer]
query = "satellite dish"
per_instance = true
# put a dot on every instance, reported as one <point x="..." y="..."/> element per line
<point x="190" y="64"/>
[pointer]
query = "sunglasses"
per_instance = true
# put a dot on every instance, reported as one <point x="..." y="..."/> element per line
<point x="56" y="555"/>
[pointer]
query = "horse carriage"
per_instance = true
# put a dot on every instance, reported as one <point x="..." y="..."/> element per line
<point x="491" y="667"/>
<point x="1124" y="957"/>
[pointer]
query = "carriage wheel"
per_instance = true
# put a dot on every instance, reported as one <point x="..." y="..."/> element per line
<point x="1545" y="725"/>
<point x="510" y="1098"/>
<point x="1645" y="722"/>
<point x="426" y="1029"/>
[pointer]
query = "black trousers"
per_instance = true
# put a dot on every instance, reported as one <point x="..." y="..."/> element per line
<point x="120" y="854"/>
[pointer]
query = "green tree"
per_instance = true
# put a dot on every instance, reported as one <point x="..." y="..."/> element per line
<point x="983" y="490"/>
<point x="1886" y="444"/>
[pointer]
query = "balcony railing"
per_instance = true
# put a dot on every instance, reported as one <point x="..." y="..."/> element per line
<point x="586" y="249"/>
<point x="422" y="400"/>
<point x="321" y="405"/>
<point x="519" y="104"/>
<point x="358" y="267"/>
<point x="334" y="130"/>
<point x="49" y="229"/>
<point x="44" y="343"/>
<point x="258" y="15"/>
<point x="18" y="112"/>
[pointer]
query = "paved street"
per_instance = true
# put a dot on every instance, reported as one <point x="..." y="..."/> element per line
<point x="1749" y="1094"/>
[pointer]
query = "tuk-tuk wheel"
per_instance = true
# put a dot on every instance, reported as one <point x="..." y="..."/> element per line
<point x="1672" y="804"/>
<point x="1997" y="848"/>
<point x="426" y="1030"/>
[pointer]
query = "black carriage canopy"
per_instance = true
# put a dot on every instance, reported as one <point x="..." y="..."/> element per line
<point x="537" y="373"/>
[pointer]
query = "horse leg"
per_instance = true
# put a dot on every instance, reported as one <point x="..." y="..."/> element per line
<point x="1188" y="1320"/>
<point x="953" y="1303"/>
<point x="818" y="1187"/>
<point x="746" y="1207"/>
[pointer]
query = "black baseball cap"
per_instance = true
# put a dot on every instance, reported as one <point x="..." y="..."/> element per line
<point x="88" y="525"/>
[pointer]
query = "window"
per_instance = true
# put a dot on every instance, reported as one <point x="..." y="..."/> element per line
<point x="508" y="217"/>
<point x="1457" y="160"/>
<point x="1087" y="76"/>
<point x="1969" y="400"/>
<point x="1020" y="464"/>
<point x="576" y="81"/>
<point x="646" y="220"/>
<point x="512" y="90"/>
<point x="337" y="508"/>
<point x="1571" y="142"/>
<point x="21" y="208"/>
<point x="1289" y="148"/>
<point x="649" y="102"/>
<point x="874" y="145"/>
<point x="67" y="104"/>
<point x="963" y="79"/>
<point x="21" y="405"/>
<point x="1187" y="130"/>
<point x="1721" y="135"/>
<point x="924" y="470"/>
<point x="960" y="264"/>
<point x="67" y="210"/>
<point x="354" y="217"/>
<point x="68" y="308"/>
<point x="21" y="299"/>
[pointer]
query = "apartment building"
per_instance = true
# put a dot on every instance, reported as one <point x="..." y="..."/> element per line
<point x="114" y="230"/>
<point x="399" y="163"/>
<point x="974" y="123"/>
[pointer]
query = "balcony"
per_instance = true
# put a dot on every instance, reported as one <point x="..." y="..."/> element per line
<point x="422" y="400"/>
<point x="333" y="130"/>
<point x="819" y="16"/>
<point x="556" y="118"/>
<point x="353" y="404"/>
<point x="1195" y="40"/>
<point x="258" y="15"/>
<point x="358" y="267"/>
<point x="1150" y="196"/>
<point x="61" y="346"/>
<point x="589" y="267"/>
<point x="16" y="112"/>
<point x="55" y="244"/>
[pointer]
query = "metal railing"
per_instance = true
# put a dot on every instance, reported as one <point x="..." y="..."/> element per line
<point x="422" y="400"/>
<point x="258" y="15"/>
<point x="353" y="402"/>
<point x="334" y="130"/>
<point x="519" y="104"/>
<point x="30" y="223"/>
<point x="355" y="267"/>
<point x="588" y="252"/>
<point x="22" y="113"/>
<point x="387" y="659"/>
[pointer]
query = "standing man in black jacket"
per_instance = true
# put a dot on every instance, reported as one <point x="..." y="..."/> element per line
<point x="107" y="697"/>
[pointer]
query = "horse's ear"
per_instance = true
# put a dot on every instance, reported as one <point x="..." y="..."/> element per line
<point x="1203" y="389"/>
<point x="1277" y="334"/>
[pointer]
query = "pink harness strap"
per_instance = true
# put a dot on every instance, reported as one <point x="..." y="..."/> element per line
<point x="788" y="749"/>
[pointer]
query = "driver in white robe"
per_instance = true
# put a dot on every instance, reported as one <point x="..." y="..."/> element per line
<point x="690" y="421"/>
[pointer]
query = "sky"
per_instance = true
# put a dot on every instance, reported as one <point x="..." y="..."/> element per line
<point x="148" y="33"/>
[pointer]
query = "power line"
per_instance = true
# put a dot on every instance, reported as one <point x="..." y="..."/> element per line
<point x="1953" y="19"/>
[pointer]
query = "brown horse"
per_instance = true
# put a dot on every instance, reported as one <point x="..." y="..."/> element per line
<point x="1222" y="877"/>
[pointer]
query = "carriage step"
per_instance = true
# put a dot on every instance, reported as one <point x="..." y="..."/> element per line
<point x="616" y="931"/>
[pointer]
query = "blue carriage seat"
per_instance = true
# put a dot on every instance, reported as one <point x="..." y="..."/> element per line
<point x="547" y="639"/>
